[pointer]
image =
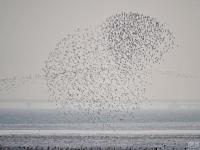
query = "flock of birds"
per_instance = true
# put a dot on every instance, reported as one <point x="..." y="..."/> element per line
<point x="106" y="68"/>
<point x="103" y="70"/>
<point x="7" y="84"/>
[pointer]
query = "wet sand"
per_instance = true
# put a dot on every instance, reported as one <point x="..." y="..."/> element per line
<point x="94" y="139"/>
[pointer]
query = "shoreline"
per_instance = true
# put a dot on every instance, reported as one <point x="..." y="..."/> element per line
<point x="98" y="132"/>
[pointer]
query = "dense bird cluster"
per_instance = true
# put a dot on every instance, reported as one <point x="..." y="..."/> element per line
<point x="107" y="68"/>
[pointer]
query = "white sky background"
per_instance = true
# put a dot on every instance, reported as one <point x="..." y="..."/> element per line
<point x="29" y="30"/>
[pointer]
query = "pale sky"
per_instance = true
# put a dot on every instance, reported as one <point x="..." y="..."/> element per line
<point x="29" y="30"/>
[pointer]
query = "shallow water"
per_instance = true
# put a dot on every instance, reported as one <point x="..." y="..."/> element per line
<point x="55" y="119"/>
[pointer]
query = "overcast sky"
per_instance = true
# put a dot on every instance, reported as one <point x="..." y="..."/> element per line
<point x="29" y="30"/>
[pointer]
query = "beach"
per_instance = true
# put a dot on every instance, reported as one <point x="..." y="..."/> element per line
<point x="100" y="139"/>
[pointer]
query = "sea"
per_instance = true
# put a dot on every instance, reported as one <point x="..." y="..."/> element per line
<point x="174" y="128"/>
